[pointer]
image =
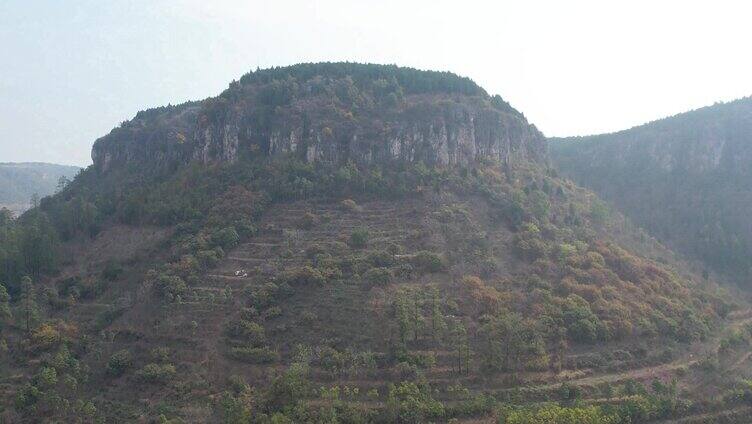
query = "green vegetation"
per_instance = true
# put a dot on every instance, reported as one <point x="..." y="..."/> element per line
<point x="119" y="363"/>
<point x="359" y="238"/>
<point x="156" y="373"/>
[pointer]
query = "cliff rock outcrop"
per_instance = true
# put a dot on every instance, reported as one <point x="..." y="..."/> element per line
<point x="330" y="113"/>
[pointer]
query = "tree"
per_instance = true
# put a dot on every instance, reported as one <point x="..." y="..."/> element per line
<point x="62" y="183"/>
<point x="438" y="324"/>
<point x="359" y="238"/>
<point x="417" y="313"/>
<point x="561" y="350"/>
<point x="28" y="303"/>
<point x="119" y="362"/>
<point x="402" y="314"/>
<point x="5" y="314"/>
<point x="37" y="242"/>
<point x="458" y="341"/>
<point x="511" y="343"/>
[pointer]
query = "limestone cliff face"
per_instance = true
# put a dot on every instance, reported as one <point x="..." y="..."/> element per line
<point x="330" y="118"/>
<point x="710" y="140"/>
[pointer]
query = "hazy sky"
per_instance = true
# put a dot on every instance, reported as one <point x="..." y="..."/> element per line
<point x="71" y="70"/>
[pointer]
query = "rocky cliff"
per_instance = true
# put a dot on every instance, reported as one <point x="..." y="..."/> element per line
<point x="330" y="113"/>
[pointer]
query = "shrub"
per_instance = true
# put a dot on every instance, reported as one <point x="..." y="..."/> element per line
<point x="245" y="228"/>
<point x="248" y="331"/>
<point x="566" y="250"/>
<point x="249" y="314"/>
<point x="169" y="287"/>
<point x="112" y="271"/>
<point x="261" y="297"/>
<point x="104" y="318"/>
<point x="359" y="238"/>
<point x="404" y="270"/>
<point x="583" y="330"/>
<point x="381" y="258"/>
<point x="530" y="247"/>
<point x="734" y="339"/>
<point x="349" y="205"/>
<point x="420" y="359"/>
<point x="393" y="249"/>
<point x="46" y="378"/>
<point x="582" y="324"/>
<point x="272" y="312"/>
<point x="406" y="370"/>
<point x="119" y="362"/>
<point x="160" y="354"/>
<point x="76" y="289"/>
<point x="308" y="317"/>
<point x="27" y="397"/>
<point x="378" y="276"/>
<point x="599" y="212"/>
<point x="304" y="276"/>
<point x="226" y="238"/>
<point x="156" y="373"/>
<point x="554" y="414"/>
<point x="539" y="204"/>
<point x="209" y="258"/>
<point x="307" y="221"/>
<point x="410" y="402"/>
<point x="254" y="355"/>
<point x="425" y="261"/>
<point x="314" y="250"/>
<point x="45" y="337"/>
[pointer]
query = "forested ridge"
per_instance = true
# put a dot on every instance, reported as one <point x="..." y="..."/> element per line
<point x="687" y="179"/>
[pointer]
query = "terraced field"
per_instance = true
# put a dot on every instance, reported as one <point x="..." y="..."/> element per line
<point x="346" y="314"/>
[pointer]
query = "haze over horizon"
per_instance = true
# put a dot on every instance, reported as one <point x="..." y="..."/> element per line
<point x="73" y="72"/>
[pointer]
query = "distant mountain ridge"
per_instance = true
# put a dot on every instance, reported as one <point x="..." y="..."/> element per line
<point x="20" y="181"/>
<point x="686" y="178"/>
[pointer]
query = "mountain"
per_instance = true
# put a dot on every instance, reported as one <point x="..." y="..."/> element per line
<point x="20" y="181"/>
<point x="351" y="243"/>
<point x="687" y="179"/>
<point x="329" y="113"/>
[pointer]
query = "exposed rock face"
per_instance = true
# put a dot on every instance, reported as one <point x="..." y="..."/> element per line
<point x="330" y="118"/>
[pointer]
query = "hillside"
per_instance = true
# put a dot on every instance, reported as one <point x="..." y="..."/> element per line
<point x="351" y="243"/>
<point x="20" y="181"/>
<point x="687" y="179"/>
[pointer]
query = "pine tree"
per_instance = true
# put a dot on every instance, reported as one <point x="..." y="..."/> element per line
<point x="438" y="325"/>
<point x="459" y="343"/>
<point x="402" y="314"/>
<point x="28" y="303"/>
<point x="417" y="315"/>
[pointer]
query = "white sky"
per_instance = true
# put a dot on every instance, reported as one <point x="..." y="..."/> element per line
<point x="72" y="70"/>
